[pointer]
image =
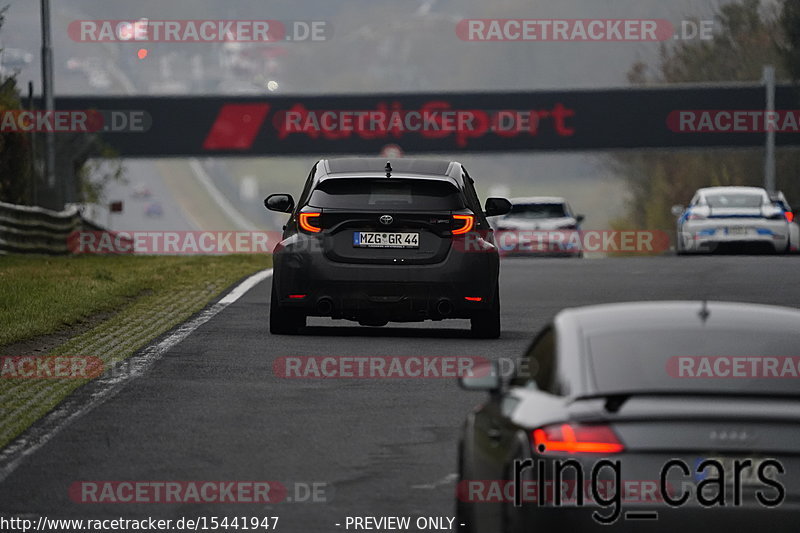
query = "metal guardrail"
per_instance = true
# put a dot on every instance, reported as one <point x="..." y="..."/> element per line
<point x="35" y="230"/>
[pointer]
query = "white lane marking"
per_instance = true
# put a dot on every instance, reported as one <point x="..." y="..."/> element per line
<point x="105" y="388"/>
<point x="446" y="480"/>
<point x="242" y="288"/>
<point x="221" y="201"/>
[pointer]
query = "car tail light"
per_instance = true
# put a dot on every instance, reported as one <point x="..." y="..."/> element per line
<point x="574" y="438"/>
<point x="473" y="298"/>
<point x="789" y="216"/>
<point x="310" y="222"/>
<point x="463" y="224"/>
<point x="297" y="296"/>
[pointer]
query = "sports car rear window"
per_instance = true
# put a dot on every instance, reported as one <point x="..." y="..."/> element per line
<point x="734" y="200"/>
<point x="715" y="361"/>
<point x="537" y="211"/>
<point x="387" y="193"/>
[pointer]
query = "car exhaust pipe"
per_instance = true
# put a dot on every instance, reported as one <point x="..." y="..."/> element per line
<point x="444" y="307"/>
<point x="325" y="306"/>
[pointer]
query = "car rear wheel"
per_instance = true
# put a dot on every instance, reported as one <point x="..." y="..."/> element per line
<point x="283" y="321"/>
<point x="486" y="325"/>
<point x="461" y="517"/>
<point x="464" y="510"/>
<point x="679" y="249"/>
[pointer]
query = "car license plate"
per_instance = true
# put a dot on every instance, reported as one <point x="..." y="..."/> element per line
<point x="374" y="239"/>
<point x="737" y="230"/>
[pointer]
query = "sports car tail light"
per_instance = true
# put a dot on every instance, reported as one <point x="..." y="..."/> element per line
<point x="463" y="224"/>
<point x="789" y="216"/>
<point x="310" y="222"/>
<point x="297" y="296"/>
<point x="575" y="438"/>
<point x="473" y="298"/>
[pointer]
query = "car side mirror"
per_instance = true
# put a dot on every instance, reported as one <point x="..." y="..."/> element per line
<point x="283" y="203"/>
<point x="482" y="377"/>
<point x="497" y="206"/>
<point x="580" y="218"/>
<point x="677" y="210"/>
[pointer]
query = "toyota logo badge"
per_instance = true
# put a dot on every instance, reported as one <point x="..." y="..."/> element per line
<point x="386" y="220"/>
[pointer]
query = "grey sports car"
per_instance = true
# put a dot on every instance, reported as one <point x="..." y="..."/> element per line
<point x="657" y="416"/>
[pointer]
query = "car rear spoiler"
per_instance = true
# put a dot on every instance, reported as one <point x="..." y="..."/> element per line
<point x="685" y="405"/>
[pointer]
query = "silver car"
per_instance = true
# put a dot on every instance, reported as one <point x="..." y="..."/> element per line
<point x="653" y="416"/>
<point x="539" y="225"/>
<point x="720" y="218"/>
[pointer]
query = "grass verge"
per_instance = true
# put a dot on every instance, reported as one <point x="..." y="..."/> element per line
<point x="139" y="297"/>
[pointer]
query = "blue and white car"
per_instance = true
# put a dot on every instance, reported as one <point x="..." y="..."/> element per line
<point x="731" y="217"/>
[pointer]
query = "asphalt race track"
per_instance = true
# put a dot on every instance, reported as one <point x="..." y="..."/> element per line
<point x="211" y="408"/>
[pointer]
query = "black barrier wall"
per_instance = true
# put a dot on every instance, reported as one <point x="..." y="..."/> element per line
<point x="697" y="116"/>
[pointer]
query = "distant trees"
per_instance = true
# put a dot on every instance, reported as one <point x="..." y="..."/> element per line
<point x="746" y="37"/>
<point x="74" y="155"/>
<point x="15" y="147"/>
<point x="789" y="45"/>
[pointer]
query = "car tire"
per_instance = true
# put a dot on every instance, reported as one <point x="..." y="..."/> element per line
<point x="283" y="321"/>
<point x="486" y="325"/>
<point x="463" y="515"/>
<point x="679" y="249"/>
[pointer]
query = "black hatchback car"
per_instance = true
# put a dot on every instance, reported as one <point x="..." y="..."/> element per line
<point x="375" y="241"/>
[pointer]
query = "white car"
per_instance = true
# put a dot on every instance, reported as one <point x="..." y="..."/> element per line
<point x="538" y="225"/>
<point x="140" y="190"/>
<point x="731" y="217"/>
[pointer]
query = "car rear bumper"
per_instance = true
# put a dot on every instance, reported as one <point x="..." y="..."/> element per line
<point x="539" y="243"/>
<point x="307" y="280"/>
<point x="708" y="237"/>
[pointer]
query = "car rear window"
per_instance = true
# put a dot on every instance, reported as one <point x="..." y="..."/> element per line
<point x="387" y="193"/>
<point x="735" y="200"/>
<point x="717" y="361"/>
<point x="550" y="210"/>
